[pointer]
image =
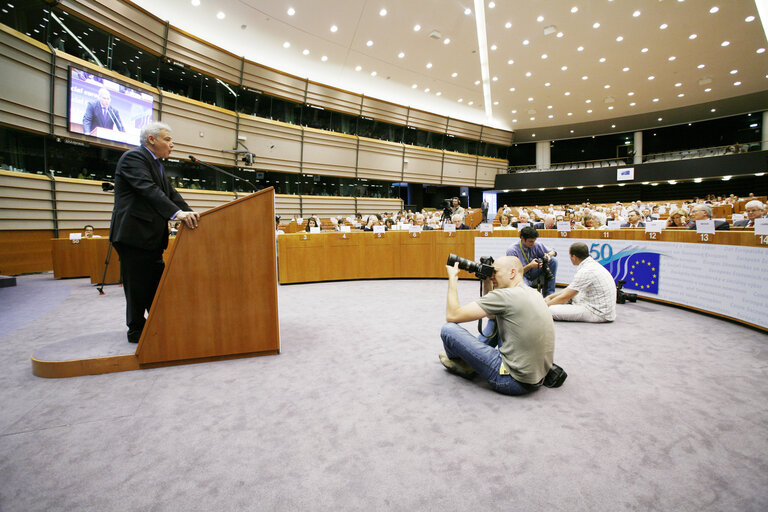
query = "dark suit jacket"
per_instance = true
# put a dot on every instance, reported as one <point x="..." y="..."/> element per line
<point x="144" y="202"/>
<point x="640" y="224"/>
<point x="94" y="117"/>
<point x="720" y="225"/>
<point x="741" y="223"/>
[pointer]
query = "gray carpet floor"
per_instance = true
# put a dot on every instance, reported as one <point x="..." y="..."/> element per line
<point x="665" y="409"/>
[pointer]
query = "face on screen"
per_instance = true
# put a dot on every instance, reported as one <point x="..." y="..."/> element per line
<point x="104" y="98"/>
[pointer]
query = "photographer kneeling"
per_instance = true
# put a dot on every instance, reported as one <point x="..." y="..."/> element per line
<point x="540" y="263"/>
<point x="592" y="291"/>
<point x="525" y="336"/>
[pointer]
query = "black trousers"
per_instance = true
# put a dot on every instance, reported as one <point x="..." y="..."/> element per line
<point x="141" y="270"/>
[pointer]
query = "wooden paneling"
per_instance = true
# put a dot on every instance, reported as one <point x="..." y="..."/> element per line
<point x="384" y="111"/>
<point x="427" y="121"/>
<point x="487" y="169"/>
<point x="333" y="99"/>
<point x="498" y="136"/>
<point x="24" y="81"/>
<point x="263" y="79"/>
<point x="23" y="252"/>
<point x="459" y="169"/>
<point x="423" y="165"/>
<point x="329" y="154"/>
<point x="277" y="145"/>
<point x="380" y="160"/>
<point x="202" y="56"/>
<point x="26" y="201"/>
<point x="464" y="129"/>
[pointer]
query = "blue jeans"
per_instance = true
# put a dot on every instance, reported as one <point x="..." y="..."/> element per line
<point x="532" y="277"/>
<point x="481" y="354"/>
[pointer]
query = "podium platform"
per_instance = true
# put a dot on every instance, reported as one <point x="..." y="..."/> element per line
<point x="217" y="299"/>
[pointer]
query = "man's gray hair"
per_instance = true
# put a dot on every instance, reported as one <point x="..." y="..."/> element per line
<point x="754" y="204"/>
<point x="152" y="129"/>
<point x="703" y="207"/>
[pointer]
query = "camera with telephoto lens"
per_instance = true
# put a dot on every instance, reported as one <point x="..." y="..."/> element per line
<point x="545" y="270"/>
<point x="482" y="270"/>
<point x="621" y="295"/>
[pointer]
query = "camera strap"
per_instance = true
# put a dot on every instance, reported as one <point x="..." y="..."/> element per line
<point x="527" y="259"/>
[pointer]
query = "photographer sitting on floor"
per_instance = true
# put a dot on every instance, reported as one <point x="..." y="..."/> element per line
<point x="525" y="336"/>
<point x="592" y="291"/>
<point x="537" y="260"/>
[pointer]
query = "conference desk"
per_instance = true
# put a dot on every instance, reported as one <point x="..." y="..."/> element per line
<point x="724" y="274"/>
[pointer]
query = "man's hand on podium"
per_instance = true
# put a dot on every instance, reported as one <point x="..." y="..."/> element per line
<point x="191" y="219"/>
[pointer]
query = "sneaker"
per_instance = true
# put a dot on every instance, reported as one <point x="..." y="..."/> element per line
<point x="457" y="366"/>
<point x="555" y="377"/>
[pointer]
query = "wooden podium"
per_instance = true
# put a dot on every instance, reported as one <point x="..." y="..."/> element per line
<point x="217" y="297"/>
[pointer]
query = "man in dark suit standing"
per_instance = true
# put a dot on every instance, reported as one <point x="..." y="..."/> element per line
<point x="484" y="210"/>
<point x="100" y="114"/>
<point x="144" y="203"/>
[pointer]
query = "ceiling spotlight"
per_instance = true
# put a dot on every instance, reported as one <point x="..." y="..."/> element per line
<point x="567" y="93"/>
<point x="324" y="58"/>
<point x="563" y="68"/>
<point x="725" y="43"/>
<point x="663" y="26"/>
<point x="530" y="99"/>
<point x="619" y="39"/>
<point x="678" y="84"/>
<point x="749" y="19"/>
<point x="491" y="5"/>
<point x="589" y="111"/>
<point x="655" y="100"/>
<point x="508" y="25"/>
<point x="291" y="11"/>
<point x="510" y="62"/>
<point x="660" y="119"/>
<point x="467" y="11"/>
<point x="713" y="110"/>
<point x="651" y="77"/>
<point x="383" y="12"/>
<point x="305" y="51"/>
<point x="697" y="180"/>
<point x="477" y="82"/>
<point x="584" y="77"/>
<point x="596" y="25"/>
<point x="400" y="55"/>
<point x="760" y="50"/>
<point x="414" y="86"/>
<point x="286" y="44"/>
<point x="446" y="41"/>
<point x="707" y="89"/>
<point x="495" y="79"/>
<point x="454" y="74"/>
<point x="580" y="49"/>
<point x="334" y="28"/>
<point x="528" y="73"/>
<point x="461" y="99"/>
<point x="494" y="47"/>
<point x="196" y="3"/>
<point x="636" y="14"/>
<point x="602" y="59"/>
<point x="632" y="104"/>
<point x="714" y="10"/>
<point x="544" y="55"/>
<point x="630" y="93"/>
<point x="547" y="84"/>
<point x="438" y="93"/>
<point x="692" y="36"/>
<point x="726" y="178"/>
<point x="574" y="10"/>
<point x="560" y="34"/>
<point x="540" y="19"/>
<point x="429" y="65"/>
<point x="416" y="28"/>
<point x="526" y="42"/>
<point x="671" y="58"/>
<point x="373" y="73"/>
<point x="644" y="50"/>
<point x="737" y="84"/>
<point x="369" y="43"/>
<point x="358" y="68"/>
<point x="625" y="69"/>
<point x="734" y="71"/>
<point x="221" y="15"/>
<point x="426" y="90"/>
<point x="701" y="66"/>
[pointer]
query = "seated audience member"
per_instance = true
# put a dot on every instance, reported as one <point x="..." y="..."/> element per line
<point x="514" y="358"/>
<point x="592" y="292"/>
<point x="504" y="222"/>
<point x="88" y="232"/>
<point x="704" y="212"/>
<point x="577" y="221"/>
<point x="549" y="223"/>
<point x="506" y="209"/>
<point x="634" y="220"/>
<point x="311" y="223"/>
<point x="647" y="215"/>
<point x="594" y="222"/>
<point x="278" y="231"/>
<point x="373" y="220"/>
<point x="531" y="253"/>
<point x="655" y="213"/>
<point x="389" y="224"/>
<point x="418" y="220"/>
<point x="677" y="219"/>
<point x="522" y="219"/>
<point x="754" y="210"/>
<point x="559" y="218"/>
<point x="458" y="221"/>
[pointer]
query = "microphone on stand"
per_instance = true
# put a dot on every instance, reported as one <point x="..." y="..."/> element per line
<point x="115" y="119"/>
<point x="222" y="171"/>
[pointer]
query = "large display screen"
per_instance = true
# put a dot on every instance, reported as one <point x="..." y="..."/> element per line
<point x="106" y="109"/>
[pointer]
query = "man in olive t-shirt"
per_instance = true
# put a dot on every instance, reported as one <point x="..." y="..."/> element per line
<point x="525" y="332"/>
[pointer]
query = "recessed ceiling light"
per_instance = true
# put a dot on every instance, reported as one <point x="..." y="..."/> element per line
<point x="446" y="41"/>
<point x="551" y="116"/>
<point x="508" y="25"/>
<point x="725" y="43"/>
<point x="606" y="86"/>
<point x="663" y="26"/>
<point x="734" y="71"/>
<point x="580" y="187"/>
<point x="540" y="19"/>
<point x="714" y="10"/>
<point x="416" y="28"/>
<point x="584" y="77"/>
<point x="567" y="93"/>
<point x="697" y="180"/>
<point x="760" y="50"/>
<point x="358" y="68"/>
<point x="324" y="58"/>
<point x="749" y="19"/>
<point x="369" y="43"/>
<point x="619" y="39"/>
<point x="563" y="68"/>
<point x="671" y="58"/>
<point x="707" y="89"/>
<point x="530" y="99"/>
<point x="286" y="44"/>
<point x="737" y="84"/>
<point x="636" y="14"/>
<point x="570" y="114"/>
<point x="661" y="119"/>
<point x="610" y="108"/>
<point x="701" y="66"/>
<point x="713" y="110"/>
<point x="547" y="84"/>
<point x="477" y="82"/>
<point x="644" y="50"/>
<point x="655" y="100"/>
<point x="651" y="77"/>
<point x="383" y="12"/>
<point x="692" y="36"/>
<point x="596" y="25"/>
<point x="334" y="28"/>
<point x="196" y="3"/>
<point x="588" y="101"/>
<point x="414" y="86"/>
<point x="491" y="5"/>
<point x="426" y="90"/>
<point x="602" y="59"/>
<point x="544" y="55"/>
<point x="514" y="111"/>
<point x="400" y="55"/>
<point x="560" y="34"/>
<point x="532" y="118"/>
<point x="549" y="107"/>
<point x="574" y="9"/>
<point x="589" y="111"/>
<point x="580" y="49"/>
<point x="454" y="74"/>
<point x="467" y="11"/>
<point x="510" y="62"/>
<point x="429" y="65"/>
<point x="514" y="120"/>
<point x="221" y="15"/>
<point x="495" y="102"/>
<point x="528" y="73"/>
<point x="632" y="104"/>
<point x="461" y="99"/>
<point x="512" y="89"/>
<point x="438" y="93"/>
<point x="726" y="178"/>
<point x="630" y="93"/>
<point x="493" y="47"/>
<point x="680" y="95"/>
<point x="678" y="84"/>
<point x="526" y="42"/>
<point x="373" y="73"/>
<point x="625" y="69"/>
<point x="305" y="51"/>
<point x="291" y="11"/>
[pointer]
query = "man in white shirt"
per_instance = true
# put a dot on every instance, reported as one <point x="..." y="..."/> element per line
<point x="592" y="292"/>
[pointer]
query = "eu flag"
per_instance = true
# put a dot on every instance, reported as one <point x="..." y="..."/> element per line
<point x="642" y="272"/>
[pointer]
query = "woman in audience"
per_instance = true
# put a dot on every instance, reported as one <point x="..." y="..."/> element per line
<point x="373" y="220"/>
<point x="389" y="224"/>
<point x="311" y="223"/>
<point x="505" y="222"/>
<point x="677" y="219"/>
<point x="594" y="222"/>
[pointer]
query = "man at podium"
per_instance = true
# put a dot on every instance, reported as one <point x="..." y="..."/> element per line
<point x="144" y="203"/>
<point x="101" y="114"/>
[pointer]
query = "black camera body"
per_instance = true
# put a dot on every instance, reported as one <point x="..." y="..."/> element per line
<point x="482" y="270"/>
<point x="622" y="296"/>
<point x="545" y="270"/>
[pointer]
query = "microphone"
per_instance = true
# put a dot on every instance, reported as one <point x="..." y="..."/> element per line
<point x="222" y="171"/>
<point x="115" y="119"/>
